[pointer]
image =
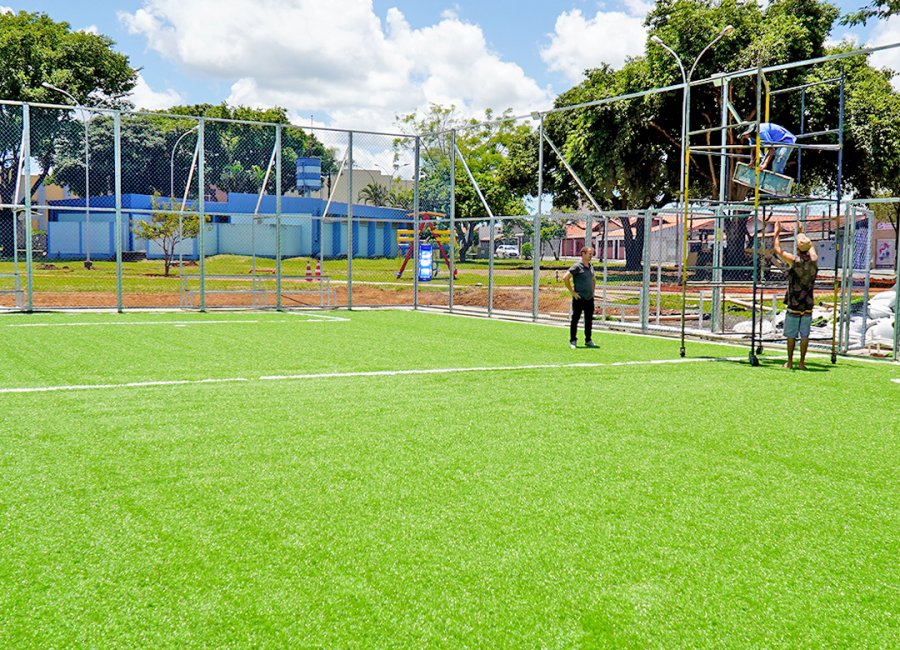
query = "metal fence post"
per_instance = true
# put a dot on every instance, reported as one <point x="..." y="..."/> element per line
<point x="849" y="250"/>
<point x="117" y="137"/>
<point x="416" y="199"/>
<point x="452" y="251"/>
<point x="278" y="133"/>
<point x="492" y="228"/>
<point x="645" y="281"/>
<point x="350" y="222"/>
<point x="536" y="229"/>
<point x="868" y="271"/>
<point x="201" y="208"/>
<point x="896" y="305"/>
<point x="26" y="171"/>
<point x="717" y="274"/>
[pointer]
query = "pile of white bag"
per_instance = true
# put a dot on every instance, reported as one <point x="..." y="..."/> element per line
<point x="878" y="322"/>
<point x="878" y="319"/>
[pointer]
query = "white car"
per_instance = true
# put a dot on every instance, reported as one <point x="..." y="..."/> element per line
<point x="506" y="250"/>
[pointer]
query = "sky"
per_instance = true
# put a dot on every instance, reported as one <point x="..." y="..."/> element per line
<point x="360" y="63"/>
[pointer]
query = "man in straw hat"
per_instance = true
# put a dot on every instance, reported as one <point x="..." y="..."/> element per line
<point x="799" y="299"/>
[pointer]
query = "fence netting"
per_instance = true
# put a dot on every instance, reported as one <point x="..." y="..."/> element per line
<point x="111" y="209"/>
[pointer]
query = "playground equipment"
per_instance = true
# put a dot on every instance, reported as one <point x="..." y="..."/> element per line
<point x="427" y="231"/>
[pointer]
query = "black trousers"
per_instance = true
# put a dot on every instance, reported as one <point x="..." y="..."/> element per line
<point x="579" y="306"/>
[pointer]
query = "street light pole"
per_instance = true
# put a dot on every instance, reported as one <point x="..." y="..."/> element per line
<point x="685" y="108"/>
<point x="87" y="171"/>
<point x="684" y="111"/>
<point x="172" y="162"/>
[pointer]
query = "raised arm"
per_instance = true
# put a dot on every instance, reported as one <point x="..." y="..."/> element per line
<point x="785" y="257"/>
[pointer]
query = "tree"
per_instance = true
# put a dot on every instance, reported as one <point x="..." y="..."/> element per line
<point x="881" y="9"/>
<point x="236" y="154"/>
<point x="35" y="49"/>
<point x="401" y="197"/>
<point x="494" y="153"/>
<point x="628" y="151"/>
<point x="374" y="194"/>
<point x="551" y="229"/>
<point x="168" y="229"/>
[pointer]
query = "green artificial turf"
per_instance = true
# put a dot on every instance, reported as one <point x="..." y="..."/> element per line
<point x="700" y="504"/>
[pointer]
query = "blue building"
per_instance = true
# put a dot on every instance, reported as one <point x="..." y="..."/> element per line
<point x="304" y="233"/>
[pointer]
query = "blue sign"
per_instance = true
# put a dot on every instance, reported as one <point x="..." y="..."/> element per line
<point x="309" y="174"/>
<point x="425" y="257"/>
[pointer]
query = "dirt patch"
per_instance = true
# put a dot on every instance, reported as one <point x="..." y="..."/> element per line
<point x="368" y="296"/>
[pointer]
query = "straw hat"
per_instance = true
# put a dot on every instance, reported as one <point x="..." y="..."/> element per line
<point x="803" y="243"/>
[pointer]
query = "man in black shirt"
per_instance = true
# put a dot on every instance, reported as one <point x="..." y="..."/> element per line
<point x="582" y="296"/>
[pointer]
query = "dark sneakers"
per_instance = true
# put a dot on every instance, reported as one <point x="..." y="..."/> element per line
<point x="591" y="344"/>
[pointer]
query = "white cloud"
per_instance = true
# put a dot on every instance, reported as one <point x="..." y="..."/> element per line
<point x="843" y="37"/>
<point x="887" y="32"/>
<point x="638" y="8"/>
<point x="6" y="10"/>
<point x="143" y="96"/>
<point x="609" y="37"/>
<point x="336" y="58"/>
<point x="90" y="29"/>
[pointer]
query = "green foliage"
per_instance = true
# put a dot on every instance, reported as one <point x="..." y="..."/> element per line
<point x="499" y="154"/>
<point x="880" y="9"/>
<point x="35" y="49"/>
<point x="374" y="194"/>
<point x="228" y="143"/>
<point x="551" y="230"/>
<point x="169" y="228"/>
<point x="628" y="152"/>
<point x="401" y="197"/>
<point x="237" y="155"/>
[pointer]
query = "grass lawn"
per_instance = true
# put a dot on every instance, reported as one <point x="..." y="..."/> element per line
<point x="147" y="276"/>
<point x="392" y="478"/>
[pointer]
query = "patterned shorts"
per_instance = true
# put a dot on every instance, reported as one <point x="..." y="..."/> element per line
<point x="797" y="324"/>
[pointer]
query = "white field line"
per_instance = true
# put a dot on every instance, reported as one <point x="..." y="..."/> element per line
<point x="896" y="381"/>
<point x="180" y="323"/>
<point x="138" y="323"/>
<point x="442" y="371"/>
<point x="133" y="384"/>
<point x="369" y="373"/>
<point x="322" y="317"/>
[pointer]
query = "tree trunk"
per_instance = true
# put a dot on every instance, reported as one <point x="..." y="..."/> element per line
<point x="634" y="244"/>
<point x="735" y="253"/>
<point x="467" y="237"/>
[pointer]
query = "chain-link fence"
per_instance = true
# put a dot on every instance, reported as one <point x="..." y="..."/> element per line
<point x="123" y="210"/>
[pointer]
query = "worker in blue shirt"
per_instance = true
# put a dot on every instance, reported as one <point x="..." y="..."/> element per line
<point x="772" y="135"/>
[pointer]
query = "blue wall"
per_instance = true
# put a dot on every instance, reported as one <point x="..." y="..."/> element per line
<point x="232" y="231"/>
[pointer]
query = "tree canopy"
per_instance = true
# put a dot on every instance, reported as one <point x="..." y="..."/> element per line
<point x="627" y="151"/>
<point x="237" y="154"/>
<point x="35" y="49"/>
<point x="880" y="9"/>
<point x="497" y="154"/>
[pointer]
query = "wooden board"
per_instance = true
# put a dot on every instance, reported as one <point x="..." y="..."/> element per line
<point x="769" y="182"/>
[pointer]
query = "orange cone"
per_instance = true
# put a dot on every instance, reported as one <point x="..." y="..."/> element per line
<point x="318" y="269"/>
<point x="308" y="272"/>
